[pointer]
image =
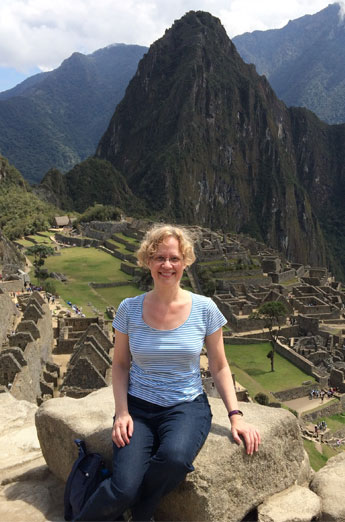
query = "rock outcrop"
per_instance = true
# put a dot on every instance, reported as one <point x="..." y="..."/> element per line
<point x="329" y="484"/>
<point x="226" y="484"/>
<point x="296" y="504"/>
<point x="18" y="438"/>
<point x="28" y="490"/>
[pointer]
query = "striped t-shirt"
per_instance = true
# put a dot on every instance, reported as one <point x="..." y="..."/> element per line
<point x="166" y="363"/>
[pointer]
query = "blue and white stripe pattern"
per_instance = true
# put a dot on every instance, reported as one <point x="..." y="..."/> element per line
<point x="166" y="363"/>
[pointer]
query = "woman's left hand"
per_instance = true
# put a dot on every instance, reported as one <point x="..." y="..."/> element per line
<point x="250" y="435"/>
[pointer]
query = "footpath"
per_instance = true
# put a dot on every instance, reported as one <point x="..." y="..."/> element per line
<point x="304" y="404"/>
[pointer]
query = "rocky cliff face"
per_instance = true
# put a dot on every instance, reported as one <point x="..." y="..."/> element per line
<point x="203" y="139"/>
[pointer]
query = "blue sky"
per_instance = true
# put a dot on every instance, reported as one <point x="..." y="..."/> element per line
<point x="37" y="35"/>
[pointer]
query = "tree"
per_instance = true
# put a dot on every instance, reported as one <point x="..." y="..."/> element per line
<point x="273" y="313"/>
<point x="41" y="252"/>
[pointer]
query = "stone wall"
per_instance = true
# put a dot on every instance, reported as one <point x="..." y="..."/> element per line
<point x="295" y="393"/>
<point x="131" y="270"/>
<point x="77" y="241"/>
<point x="308" y="325"/>
<point x="282" y="277"/>
<point x="107" y="228"/>
<point x="109" y="285"/>
<point x="124" y="257"/>
<point x="12" y="286"/>
<point x="27" y="383"/>
<point x="8" y="313"/>
<point x="327" y="411"/>
<point x="296" y="359"/>
<point x="271" y="264"/>
<point x="244" y="340"/>
<point x="78" y="324"/>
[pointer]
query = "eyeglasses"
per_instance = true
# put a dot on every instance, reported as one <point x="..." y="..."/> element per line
<point x="174" y="260"/>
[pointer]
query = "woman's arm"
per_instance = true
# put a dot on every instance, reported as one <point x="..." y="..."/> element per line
<point x="123" y="425"/>
<point x="221" y="374"/>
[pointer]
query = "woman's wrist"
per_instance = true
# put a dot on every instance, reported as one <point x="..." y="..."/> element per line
<point x="235" y="413"/>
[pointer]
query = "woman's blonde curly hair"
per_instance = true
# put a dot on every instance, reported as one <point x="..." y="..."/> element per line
<point x="156" y="235"/>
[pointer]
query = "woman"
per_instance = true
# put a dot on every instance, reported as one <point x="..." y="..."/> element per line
<point x="162" y="415"/>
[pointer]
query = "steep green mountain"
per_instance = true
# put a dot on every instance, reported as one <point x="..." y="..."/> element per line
<point x="92" y="181"/>
<point x="21" y="211"/>
<point x="203" y="139"/>
<point x="55" y="119"/>
<point x="304" y="61"/>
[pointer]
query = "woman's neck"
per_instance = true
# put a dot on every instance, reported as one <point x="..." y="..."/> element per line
<point x="167" y="295"/>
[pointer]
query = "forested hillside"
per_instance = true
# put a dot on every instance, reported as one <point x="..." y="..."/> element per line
<point x="304" y="61"/>
<point x="56" y="119"/>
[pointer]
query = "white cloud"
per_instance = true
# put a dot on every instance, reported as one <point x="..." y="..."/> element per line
<point x="44" y="32"/>
<point x="342" y="10"/>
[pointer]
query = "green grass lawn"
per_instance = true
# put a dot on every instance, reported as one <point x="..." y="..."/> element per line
<point x="115" y="295"/>
<point x="317" y="459"/>
<point x="83" y="265"/>
<point x="39" y="239"/>
<point x="87" y="264"/>
<point x="24" y="242"/>
<point x="335" y="422"/>
<point x="253" y="369"/>
<point x="127" y="238"/>
<point x="120" y="247"/>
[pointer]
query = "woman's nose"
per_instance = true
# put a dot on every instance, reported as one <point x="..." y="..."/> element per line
<point x="167" y="262"/>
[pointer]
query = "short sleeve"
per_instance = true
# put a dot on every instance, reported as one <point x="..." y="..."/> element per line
<point x="120" y="322"/>
<point x="215" y="318"/>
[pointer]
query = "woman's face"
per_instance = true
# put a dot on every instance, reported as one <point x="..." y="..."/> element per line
<point x="167" y="264"/>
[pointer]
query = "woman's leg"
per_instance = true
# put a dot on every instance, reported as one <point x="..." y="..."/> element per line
<point x="182" y="430"/>
<point x="116" y="494"/>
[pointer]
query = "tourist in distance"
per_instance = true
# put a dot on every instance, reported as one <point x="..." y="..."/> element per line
<point x="162" y="414"/>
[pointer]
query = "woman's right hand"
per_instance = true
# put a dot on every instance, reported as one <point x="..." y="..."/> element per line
<point x="122" y="430"/>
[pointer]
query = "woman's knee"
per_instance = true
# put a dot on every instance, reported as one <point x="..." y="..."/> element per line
<point x="125" y="492"/>
<point x="175" y="460"/>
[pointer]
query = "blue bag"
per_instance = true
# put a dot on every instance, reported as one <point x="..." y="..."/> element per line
<point x="87" y="473"/>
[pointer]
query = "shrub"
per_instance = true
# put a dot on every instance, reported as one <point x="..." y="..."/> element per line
<point x="294" y="412"/>
<point x="49" y="286"/>
<point x="262" y="398"/>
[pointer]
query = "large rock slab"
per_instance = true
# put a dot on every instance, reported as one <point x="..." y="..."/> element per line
<point x="18" y="438"/>
<point x="329" y="484"/>
<point x="28" y="490"/>
<point x="226" y="484"/>
<point x="36" y="497"/>
<point x="295" y="504"/>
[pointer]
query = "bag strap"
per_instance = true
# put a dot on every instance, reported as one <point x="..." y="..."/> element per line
<point x="81" y="447"/>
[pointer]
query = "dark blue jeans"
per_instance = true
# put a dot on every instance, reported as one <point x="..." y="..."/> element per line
<point x="164" y="444"/>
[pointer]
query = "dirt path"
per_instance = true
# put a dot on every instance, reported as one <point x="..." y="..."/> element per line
<point x="304" y="404"/>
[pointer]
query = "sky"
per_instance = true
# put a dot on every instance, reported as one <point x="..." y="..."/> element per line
<point x="37" y="35"/>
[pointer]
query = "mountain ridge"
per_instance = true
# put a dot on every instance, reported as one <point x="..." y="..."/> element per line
<point x="203" y="139"/>
<point x="56" y="119"/>
<point x="303" y="61"/>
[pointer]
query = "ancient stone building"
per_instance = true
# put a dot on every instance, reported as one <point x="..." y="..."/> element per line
<point x="89" y="365"/>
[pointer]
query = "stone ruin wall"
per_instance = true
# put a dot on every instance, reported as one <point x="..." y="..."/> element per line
<point x="8" y="313"/>
<point x="23" y="359"/>
<point x="327" y="411"/>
